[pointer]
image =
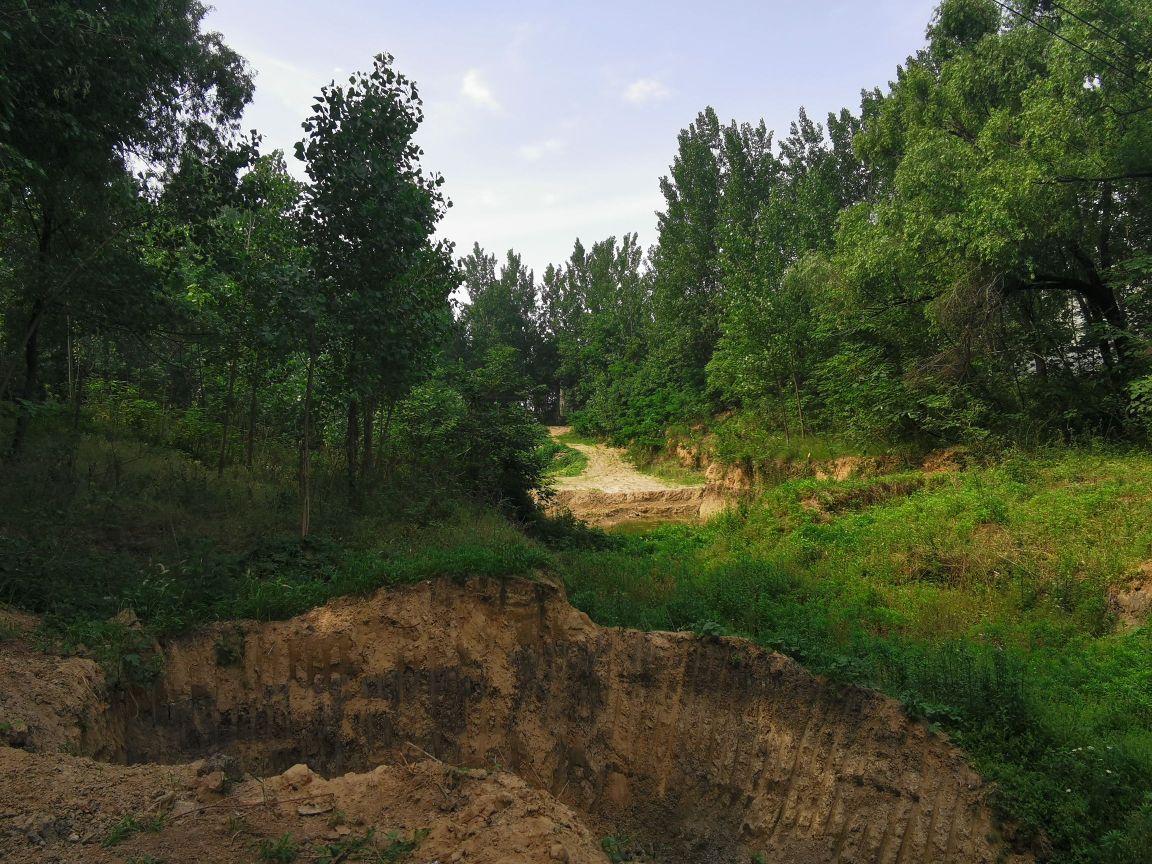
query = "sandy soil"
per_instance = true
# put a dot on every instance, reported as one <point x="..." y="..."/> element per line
<point x="610" y="491"/>
<point x="498" y="718"/>
<point x="608" y="472"/>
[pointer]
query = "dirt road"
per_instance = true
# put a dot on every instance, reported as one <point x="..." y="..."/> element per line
<point x="610" y="491"/>
<point x="607" y="471"/>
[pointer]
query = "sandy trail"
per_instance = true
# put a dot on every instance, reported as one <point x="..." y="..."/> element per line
<point x="608" y="472"/>
<point x="611" y="492"/>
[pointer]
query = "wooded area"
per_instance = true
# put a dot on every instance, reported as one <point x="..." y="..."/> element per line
<point x="964" y="258"/>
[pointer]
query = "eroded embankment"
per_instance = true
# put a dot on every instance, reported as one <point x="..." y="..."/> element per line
<point x="608" y="509"/>
<point x="707" y="749"/>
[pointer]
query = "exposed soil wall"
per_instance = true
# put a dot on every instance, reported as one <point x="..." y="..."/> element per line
<point x="706" y="749"/>
<point x="608" y="509"/>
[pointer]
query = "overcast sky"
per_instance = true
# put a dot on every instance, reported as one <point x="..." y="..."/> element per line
<point x="551" y="121"/>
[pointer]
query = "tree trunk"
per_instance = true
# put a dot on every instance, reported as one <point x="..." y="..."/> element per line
<point x="69" y="357"/>
<point x="31" y="380"/>
<point x="352" y="442"/>
<point x="386" y="439"/>
<point x="250" y="444"/>
<point x="227" y="426"/>
<point x="799" y="404"/>
<point x="369" y="431"/>
<point x="306" y="454"/>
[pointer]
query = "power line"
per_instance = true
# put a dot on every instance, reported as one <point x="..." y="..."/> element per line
<point x="1103" y="10"/>
<point x="1099" y="30"/>
<point x="1066" y="40"/>
<point x="1132" y="79"/>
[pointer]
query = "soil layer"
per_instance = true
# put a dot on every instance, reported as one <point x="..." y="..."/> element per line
<point x="702" y="749"/>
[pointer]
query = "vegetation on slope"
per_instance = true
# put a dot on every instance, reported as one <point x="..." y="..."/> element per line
<point x="980" y="599"/>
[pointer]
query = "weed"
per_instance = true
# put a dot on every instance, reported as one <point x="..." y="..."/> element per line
<point x="229" y="650"/>
<point x="619" y="849"/>
<point x="130" y="825"/>
<point x="281" y="850"/>
<point x="367" y="847"/>
<point x="978" y="600"/>
<point x="562" y="460"/>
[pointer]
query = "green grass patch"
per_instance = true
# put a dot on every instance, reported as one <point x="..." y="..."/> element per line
<point x="120" y="524"/>
<point x="574" y="437"/>
<point x="562" y="460"/>
<point x="664" y="467"/>
<point x="130" y="825"/>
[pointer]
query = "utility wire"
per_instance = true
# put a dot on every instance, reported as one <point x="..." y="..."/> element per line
<point x="1130" y="76"/>
<point x="1065" y="39"/>
<point x="1104" y="10"/>
<point x="1100" y="30"/>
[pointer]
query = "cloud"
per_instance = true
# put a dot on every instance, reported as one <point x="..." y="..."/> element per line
<point x="645" y="90"/>
<point x="476" y="90"/>
<point x="537" y="151"/>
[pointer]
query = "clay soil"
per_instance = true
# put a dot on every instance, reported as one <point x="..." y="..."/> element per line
<point x="490" y="717"/>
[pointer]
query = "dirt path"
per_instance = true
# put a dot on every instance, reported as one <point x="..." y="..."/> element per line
<point x="608" y="472"/>
<point x="610" y="491"/>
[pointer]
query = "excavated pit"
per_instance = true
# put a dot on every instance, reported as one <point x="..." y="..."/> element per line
<point x="705" y="749"/>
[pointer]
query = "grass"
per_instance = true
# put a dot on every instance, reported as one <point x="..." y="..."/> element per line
<point x="574" y="437"/>
<point x="281" y="850"/>
<point x="977" y="599"/>
<point x="130" y="825"/>
<point x="563" y="461"/>
<point x="95" y="525"/>
<point x="665" y="467"/>
<point x="367" y="847"/>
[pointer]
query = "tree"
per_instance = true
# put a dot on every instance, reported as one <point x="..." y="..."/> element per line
<point x="86" y="90"/>
<point x="369" y="213"/>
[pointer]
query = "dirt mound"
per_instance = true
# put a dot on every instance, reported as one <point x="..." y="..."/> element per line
<point x="77" y="810"/>
<point x="702" y="749"/>
<point x="50" y="703"/>
<point x="1132" y="601"/>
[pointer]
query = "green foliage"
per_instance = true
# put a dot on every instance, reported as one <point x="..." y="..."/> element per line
<point x="130" y="825"/>
<point x="562" y="460"/>
<point x="470" y="430"/>
<point x="198" y="548"/>
<point x="281" y="850"/>
<point x="368" y="847"/>
<point x="619" y="849"/>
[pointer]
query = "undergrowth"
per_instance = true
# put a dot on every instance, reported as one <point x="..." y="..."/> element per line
<point x="121" y="542"/>
<point x="980" y="600"/>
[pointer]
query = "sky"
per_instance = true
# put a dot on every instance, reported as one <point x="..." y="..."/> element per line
<point x="551" y="121"/>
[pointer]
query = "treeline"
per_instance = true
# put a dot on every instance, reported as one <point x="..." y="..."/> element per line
<point x="966" y="258"/>
<point x="158" y="267"/>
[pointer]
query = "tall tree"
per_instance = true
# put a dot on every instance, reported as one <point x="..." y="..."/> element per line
<point x="369" y="213"/>
<point x="86" y="90"/>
